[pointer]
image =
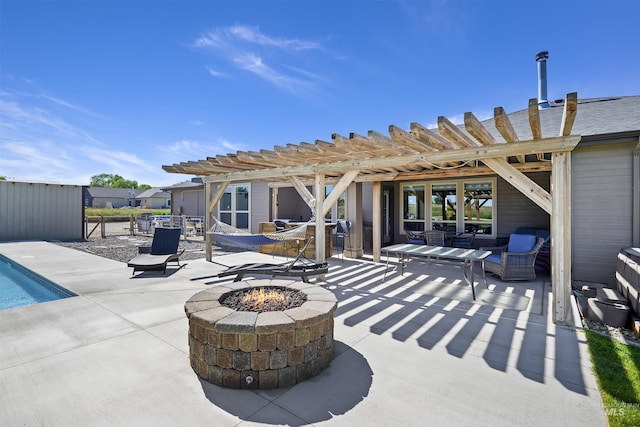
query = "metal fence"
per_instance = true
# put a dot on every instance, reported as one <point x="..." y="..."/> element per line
<point x="143" y="224"/>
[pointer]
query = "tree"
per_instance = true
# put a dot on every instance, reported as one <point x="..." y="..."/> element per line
<point x="115" y="181"/>
<point x="102" y="180"/>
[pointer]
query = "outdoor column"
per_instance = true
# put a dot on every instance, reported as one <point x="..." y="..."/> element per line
<point x="376" y="235"/>
<point x="561" y="236"/>
<point x="353" y="245"/>
<point x="274" y="203"/>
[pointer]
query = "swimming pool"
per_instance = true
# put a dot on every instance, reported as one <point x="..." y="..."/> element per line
<point x="20" y="286"/>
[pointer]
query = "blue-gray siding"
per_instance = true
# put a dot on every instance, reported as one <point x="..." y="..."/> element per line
<point x="602" y="209"/>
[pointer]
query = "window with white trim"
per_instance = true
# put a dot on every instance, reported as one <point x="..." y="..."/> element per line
<point x="234" y="207"/>
<point x="463" y="206"/>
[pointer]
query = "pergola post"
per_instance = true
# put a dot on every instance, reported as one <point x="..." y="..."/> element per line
<point x="211" y="201"/>
<point x="561" y="236"/>
<point x="318" y="189"/>
<point x="208" y="238"/>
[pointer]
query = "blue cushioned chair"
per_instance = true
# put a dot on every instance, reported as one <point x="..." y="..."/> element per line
<point x="516" y="260"/>
<point x="415" y="237"/>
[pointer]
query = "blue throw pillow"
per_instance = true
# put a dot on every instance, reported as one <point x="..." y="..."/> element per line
<point x="521" y="243"/>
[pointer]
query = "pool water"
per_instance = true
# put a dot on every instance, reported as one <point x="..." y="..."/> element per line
<point x="20" y="286"/>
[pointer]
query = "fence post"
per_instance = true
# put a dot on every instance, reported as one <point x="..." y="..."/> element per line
<point x="102" y="227"/>
<point x="131" y="224"/>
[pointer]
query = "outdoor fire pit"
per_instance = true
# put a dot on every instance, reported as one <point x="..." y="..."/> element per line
<point x="261" y="334"/>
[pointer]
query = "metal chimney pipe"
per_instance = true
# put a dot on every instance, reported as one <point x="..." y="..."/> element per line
<point x="541" y="59"/>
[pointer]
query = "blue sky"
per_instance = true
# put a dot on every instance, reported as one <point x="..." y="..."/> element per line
<point x="124" y="87"/>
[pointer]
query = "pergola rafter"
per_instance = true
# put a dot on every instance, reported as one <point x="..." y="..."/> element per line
<point x="419" y="153"/>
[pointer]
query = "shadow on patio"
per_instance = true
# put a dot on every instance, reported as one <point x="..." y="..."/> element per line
<point x="507" y="325"/>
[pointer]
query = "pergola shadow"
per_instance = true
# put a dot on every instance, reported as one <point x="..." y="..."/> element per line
<point x="508" y="325"/>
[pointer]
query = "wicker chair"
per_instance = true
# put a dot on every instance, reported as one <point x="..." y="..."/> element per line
<point x="435" y="237"/>
<point x="415" y="237"/>
<point x="516" y="260"/>
<point x="463" y="240"/>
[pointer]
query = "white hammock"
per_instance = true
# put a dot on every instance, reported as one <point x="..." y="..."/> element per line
<point x="226" y="233"/>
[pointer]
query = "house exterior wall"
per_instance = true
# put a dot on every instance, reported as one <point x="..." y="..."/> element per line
<point x="155" y="202"/>
<point x="115" y="202"/>
<point x="602" y="211"/>
<point x="260" y="202"/>
<point x="514" y="209"/>
<point x="187" y="202"/>
<point x="36" y="211"/>
<point x="291" y="206"/>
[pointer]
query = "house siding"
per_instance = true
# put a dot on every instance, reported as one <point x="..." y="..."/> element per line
<point x="36" y="211"/>
<point x="259" y="204"/>
<point x="602" y="211"/>
<point x="188" y="202"/>
<point x="291" y="205"/>
<point x="514" y="209"/>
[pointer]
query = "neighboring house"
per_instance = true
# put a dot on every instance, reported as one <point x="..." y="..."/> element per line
<point x="106" y="197"/>
<point x="602" y="176"/>
<point x="154" y="198"/>
<point x="187" y="198"/>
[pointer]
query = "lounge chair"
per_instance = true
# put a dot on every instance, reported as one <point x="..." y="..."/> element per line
<point x="298" y="267"/>
<point x="163" y="249"/>
<point x="516" y="260"/>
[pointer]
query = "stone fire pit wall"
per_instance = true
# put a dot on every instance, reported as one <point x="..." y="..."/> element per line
<point x="242" y="349"/>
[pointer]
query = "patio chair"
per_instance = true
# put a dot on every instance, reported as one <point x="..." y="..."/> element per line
<point x="463" y="240"/>
<point x="343" y="234"/>
<point x="415" y="237"/>
<point x="516" y="260"/>
<point x="163" y="249"/>
<point x="298" y="267"/>
<point x="435" y="237"/>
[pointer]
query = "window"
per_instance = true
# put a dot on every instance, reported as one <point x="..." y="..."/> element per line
<point x="455" y="206"/>
<point x="444" y="206"/>
<point x="413" y="207"/>
<point x="478" y="207"/>
<point x="234" y="206"/>
<point x="337" y="210"/>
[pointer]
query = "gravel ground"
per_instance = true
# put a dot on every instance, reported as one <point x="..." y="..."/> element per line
<point x="125" y="248"/>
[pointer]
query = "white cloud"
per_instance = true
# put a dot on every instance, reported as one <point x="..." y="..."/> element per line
<point x="215" y="73"/>
<point x="270" y="58"/>
<point x="39" y="141"/>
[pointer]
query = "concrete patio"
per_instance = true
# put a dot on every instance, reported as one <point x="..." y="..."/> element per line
<point x="412" y="350"/>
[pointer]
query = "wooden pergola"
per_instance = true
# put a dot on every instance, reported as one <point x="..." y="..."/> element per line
<point x="419" y="153"/>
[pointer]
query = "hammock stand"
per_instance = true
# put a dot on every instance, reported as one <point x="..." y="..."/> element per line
<point x="225" y="233"/>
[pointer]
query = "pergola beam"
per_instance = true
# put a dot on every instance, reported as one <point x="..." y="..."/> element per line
<point x="504" y="126"/>
<point x="546" y="145"/>
<point x="308" y="198"/>
<point x="337" y="190"/>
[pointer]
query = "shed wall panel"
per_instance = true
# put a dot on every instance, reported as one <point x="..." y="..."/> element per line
<point x="36" y="211"/>
<point x="601" y="210"/>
